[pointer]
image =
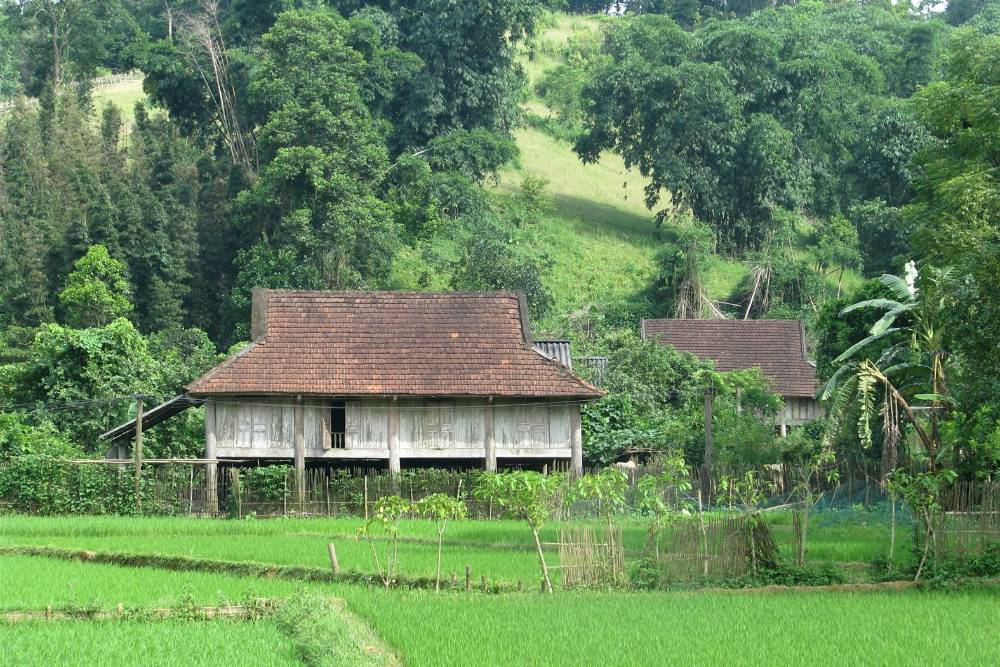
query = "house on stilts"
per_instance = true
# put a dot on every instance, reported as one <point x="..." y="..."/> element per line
<point x="777" y="347"/>
<point x="392" y="378"/>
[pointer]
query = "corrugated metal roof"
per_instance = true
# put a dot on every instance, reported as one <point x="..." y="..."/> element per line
<point x="556" y="350"/>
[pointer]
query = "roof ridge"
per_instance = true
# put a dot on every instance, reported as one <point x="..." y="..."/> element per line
<point x="416" y="293"/>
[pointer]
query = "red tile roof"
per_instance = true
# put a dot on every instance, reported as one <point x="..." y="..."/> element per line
<point x="777" y="347"/>
<point x="391" y="343"/>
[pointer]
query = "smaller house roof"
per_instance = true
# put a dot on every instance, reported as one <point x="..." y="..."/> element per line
<point x="151" y="417"/>
<point x="777" y="347"/>
<point x="447" y="344"/>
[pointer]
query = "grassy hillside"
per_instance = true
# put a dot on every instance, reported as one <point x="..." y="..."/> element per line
<point x="600" y="237"/>
<point x="124" y="95"/>
<point x="596" y="229"/>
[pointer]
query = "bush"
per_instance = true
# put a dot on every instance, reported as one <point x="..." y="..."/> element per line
<point x="39" y="483"/>
<point x="267" y="483"/>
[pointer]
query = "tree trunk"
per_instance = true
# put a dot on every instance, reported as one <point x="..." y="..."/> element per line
<point x="541" y="560"/>
<point x="803" y="527"/>
<point x="927" y="544"/>
<point x="437" y="572"/>
<point x="170" y="21"/>
<point x="56" y="51"/>
<point x="892" y="531"/>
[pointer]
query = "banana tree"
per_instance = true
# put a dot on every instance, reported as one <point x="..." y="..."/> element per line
<point x="907" y="373"/>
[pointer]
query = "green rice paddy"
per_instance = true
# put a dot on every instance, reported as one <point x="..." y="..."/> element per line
<point x="149" y="643"/>
<point x="369" y="624"/>
<point x="28" y="582"/>
<point x="609" y="629"/>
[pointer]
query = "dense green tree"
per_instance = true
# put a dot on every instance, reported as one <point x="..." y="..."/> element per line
<point x="96" y="291"/>
<point x="469" y="78"/>
<point x="883" y="236"/>
<point x="95" y="371"/>
<point x="322" y="154"/>
<point x="956" y="212"/>
<point x="69" y="40"/>
<point x="788" y="109"/>
<point x="26" y="228"/>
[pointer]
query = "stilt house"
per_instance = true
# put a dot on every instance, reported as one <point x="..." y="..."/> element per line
<point x="777" y="347"/>
<point x="392" y="377"/>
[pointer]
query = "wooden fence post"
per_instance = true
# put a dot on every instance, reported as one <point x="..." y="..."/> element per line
<point x="706" y="482"/>
<point x="334" y="565"/>
<point x="704" y="536"/>
<point x="138" y="454"/>
<point x="468" y="577"/>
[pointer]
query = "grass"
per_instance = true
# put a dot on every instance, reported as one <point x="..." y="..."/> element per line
<point x="325" y="633"/>
<point x="33" y="583"/>
<point x="375" y="626"/>
<point x="555" y="30"/>
<point x="132" y="642"/>
<point x="677" y="628"/>
<point x="844" y="536"/>
<point x="600" y="237"/>
<point x="284" y="543"/>
<point x="123" y="95"/>
<point x="500" y="550"/>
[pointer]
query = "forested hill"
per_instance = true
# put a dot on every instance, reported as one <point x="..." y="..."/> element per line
<point x="681" y="160"/>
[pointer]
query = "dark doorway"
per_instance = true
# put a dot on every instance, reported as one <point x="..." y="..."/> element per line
<point x="338" y="424"/>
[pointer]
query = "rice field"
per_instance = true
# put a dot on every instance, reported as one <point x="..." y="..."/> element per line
<point x="149" y="643"/>
<point x="33" y="583"/>
<point x="610" y="629"/>
<point x="500" y="550"/>
<point x="365" y="625"/>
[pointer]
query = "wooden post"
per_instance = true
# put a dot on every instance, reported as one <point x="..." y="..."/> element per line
<point x="490" y="448"/>
<point x="138" y="454"/>
<point x="576" y="442"/>
<point x="706" y="482"/>
<point x="211" y="469"/>
<point x="299" y="422"/>
<point x="366" y="496"/>
<point x="468" y="577"/>
<point x="394" y="439"/>
<point x="704" y="536"/>
<point x="334" y="565"/>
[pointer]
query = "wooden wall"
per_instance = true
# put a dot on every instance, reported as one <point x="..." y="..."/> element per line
<point x="262" y="423"/>
<point x="425" y="426"/>
<point x="799" y="409"/>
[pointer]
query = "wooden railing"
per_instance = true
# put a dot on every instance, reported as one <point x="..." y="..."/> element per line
<point x="338" y="441"/>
